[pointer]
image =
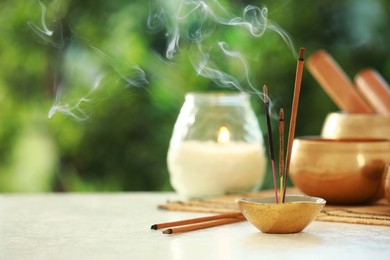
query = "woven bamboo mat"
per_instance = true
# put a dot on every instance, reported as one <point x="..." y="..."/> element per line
<point x="377" y="213"/>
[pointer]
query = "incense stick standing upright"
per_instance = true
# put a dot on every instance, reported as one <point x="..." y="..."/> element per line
<point x="270" y="143"/>
<point x="293" y="118"/>
<point x="281" y="153"/>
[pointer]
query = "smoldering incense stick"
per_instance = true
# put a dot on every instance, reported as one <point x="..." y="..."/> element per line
<point x="270" y="143"/>
<point x="281" y="153"/>
<point x="293" y="118"/>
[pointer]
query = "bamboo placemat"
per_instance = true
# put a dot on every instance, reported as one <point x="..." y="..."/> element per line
<point x="377" y="213"/>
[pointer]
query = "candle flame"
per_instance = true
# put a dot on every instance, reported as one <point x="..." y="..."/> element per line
<point x="223" y="135"/>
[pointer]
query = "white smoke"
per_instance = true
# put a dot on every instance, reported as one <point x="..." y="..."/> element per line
<point x="194" y="23"/>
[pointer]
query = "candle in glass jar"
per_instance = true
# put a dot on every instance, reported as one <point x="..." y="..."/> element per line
<point x="216" y="146"/>
<point x="208" y="168"/>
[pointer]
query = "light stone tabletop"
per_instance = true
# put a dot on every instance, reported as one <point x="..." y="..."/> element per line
<point x="117" y="226"/>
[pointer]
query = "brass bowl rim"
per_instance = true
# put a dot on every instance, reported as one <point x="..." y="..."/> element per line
<point x="354" y="116"/>
<point x="289" y="199"/>
<point x="353" y="140"/>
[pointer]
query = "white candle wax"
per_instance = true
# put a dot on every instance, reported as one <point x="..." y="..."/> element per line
<point x="208" y="168"/>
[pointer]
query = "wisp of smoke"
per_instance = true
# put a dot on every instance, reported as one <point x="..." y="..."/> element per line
<point x="192" y="23"/>
<point x="85" y="71"/>
<point x="46" y="35"/>
<point x="81" y="70"/>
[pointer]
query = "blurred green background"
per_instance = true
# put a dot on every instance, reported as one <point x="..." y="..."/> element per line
<point x="116" y="96"/>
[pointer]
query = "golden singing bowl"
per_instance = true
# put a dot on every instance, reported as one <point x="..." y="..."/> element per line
<point x="340" y="170"/>
<point x="344" y="125"/>
<point x="292" y="216"/>
<point x="386" y="178"/>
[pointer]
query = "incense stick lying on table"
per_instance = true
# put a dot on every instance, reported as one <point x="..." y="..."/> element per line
<point x="198" y="223"/>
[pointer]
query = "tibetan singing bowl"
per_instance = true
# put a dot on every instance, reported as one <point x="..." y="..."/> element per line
<point x="344" y="125"/>
<point x="386" y="179"/>
<point x="292" y="216"/>
<point x="342" y="171"/>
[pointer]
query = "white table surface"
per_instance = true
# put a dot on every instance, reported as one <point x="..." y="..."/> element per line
<point x="117" y="226"/>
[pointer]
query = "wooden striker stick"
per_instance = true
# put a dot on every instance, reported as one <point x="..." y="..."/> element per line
<point x="336" y="83"/>
<point x="374" y="88"/>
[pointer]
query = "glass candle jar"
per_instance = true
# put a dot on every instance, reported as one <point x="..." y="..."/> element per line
<point x="217" y="146"/>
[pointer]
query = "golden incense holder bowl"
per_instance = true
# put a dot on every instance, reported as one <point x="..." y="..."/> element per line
<point x="344" y="125"/>
<point x="292" y="216"/>
<point x="340" y="170"/>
